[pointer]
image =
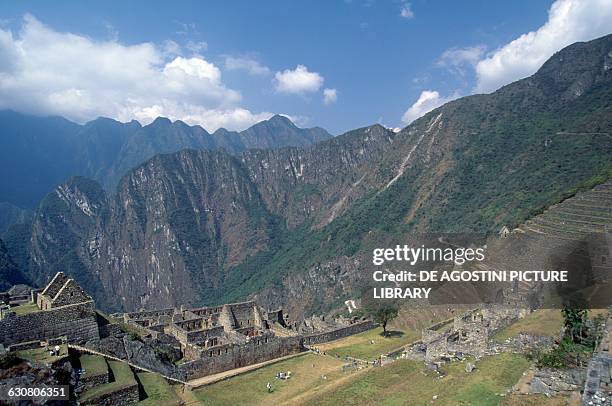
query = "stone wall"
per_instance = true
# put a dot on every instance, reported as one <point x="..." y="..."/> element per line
<point x="259" y="349"/>
<point x="470" y="332"/>
<point x="148" y="314"/>
<point x="351" y="329"/>
<point x="598" y="384"/>
<point x="90" y="381"/>
<point x="556" y="382"/>
<point x="198" y="337"/>
<point x="192" y="332"/>
<point x="238" y="315"/>
<point x="55" y="285"/>
<point x="124" y="396"/>
<point x="26" y="345"/>
<point x="207" y="311"/>
<point x="70" y="294"/>
<point x="276" y="316"/>
<point x="77" y="322"/>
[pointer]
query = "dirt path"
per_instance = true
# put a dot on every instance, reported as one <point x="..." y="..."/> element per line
<point x="207" y="380"/>
<point x="306" y="396"/>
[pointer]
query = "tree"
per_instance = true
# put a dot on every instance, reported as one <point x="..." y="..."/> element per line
<point x="384" y="313"/>
<point x="574" y="321"/>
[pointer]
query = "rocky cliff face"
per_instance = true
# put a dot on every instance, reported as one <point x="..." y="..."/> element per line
<point x="474" y="164"/>
<point x="294" y="226"/>
<point x="180" y="221"/>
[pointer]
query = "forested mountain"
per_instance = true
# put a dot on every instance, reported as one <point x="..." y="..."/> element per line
<point x="294" y="224"/>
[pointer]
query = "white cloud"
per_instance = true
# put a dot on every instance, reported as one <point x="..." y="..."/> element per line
<point x="330" y="96"/>
<point x="249" y="65"/>
<point x="299" y="80"/>
<point x="427" y="101"/>
<point x="568" y="21"/>
<point x="43" y="71"/>
<point x="232" y="119"/>
<point x="455" y="59"/>
<point x="196" y="47"/>
<point x="406" y="11"/>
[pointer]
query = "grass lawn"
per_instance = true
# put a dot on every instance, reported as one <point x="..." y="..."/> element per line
<point x="123" y="378"/>
<point x="42" y="355"/>
<point x="360" y="345"/>
<point x="250" y="388"/>
<point x="157" y="389"/>
<point x="543" y="322"/>
<point x="25" y="308"/>
<point x="93" y="365"/>
<point x="407" y="383"/>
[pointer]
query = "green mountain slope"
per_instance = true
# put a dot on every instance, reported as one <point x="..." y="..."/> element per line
<point x="294" y="227"/>
<point x="474" y="164"/>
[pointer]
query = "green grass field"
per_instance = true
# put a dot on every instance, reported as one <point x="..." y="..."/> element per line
<point x="360" y="345"/>
<point x="123" y="377"/>
<point x="400" y="383"/>
<point x="157" y="390"/>
<point x="407" y="383"/>
<point x="42" y="355"/>
<point x="26" y="308"/>
<point x="93" y="365"/>
<point x="543" y="322"/>
<point x="250" y="388"/>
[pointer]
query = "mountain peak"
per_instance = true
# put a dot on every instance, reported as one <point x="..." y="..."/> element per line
<point x="278" y="119"/>
<point x="161" y="121"/>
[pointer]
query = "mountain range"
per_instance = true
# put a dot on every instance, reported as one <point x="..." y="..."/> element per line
<point x="42" y="152"/>
<point x="292" y="226"/>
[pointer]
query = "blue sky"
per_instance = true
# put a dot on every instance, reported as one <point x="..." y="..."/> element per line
<point x="232" y="63"/>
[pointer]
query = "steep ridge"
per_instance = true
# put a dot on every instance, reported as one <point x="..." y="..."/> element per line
<point x="204" y="227"/>
<point x="472" y="165"/>
<point x="180" y="221"/>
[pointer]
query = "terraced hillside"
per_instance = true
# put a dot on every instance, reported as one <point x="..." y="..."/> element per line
<point x="113" y="382"/>
<point x="572" y="235"/>
<point x="576" y="217"/>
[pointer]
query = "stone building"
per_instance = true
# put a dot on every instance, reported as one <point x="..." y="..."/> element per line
<point x="210" y="339"/>
<point x="63" y="308"/>
<point x="61" y="291"/>
<point x="467" y="334"/>
<point x="219" y="338"/>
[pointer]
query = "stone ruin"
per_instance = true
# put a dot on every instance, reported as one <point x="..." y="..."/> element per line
<point x="466" y="334"/>
<point x="210" y="339"/>
<point x="219" y="338"/>
<point x="62" y="308"/>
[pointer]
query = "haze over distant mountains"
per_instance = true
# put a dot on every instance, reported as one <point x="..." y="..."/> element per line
<point x="41" y="152"/>
<point x="203" y="226"/>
